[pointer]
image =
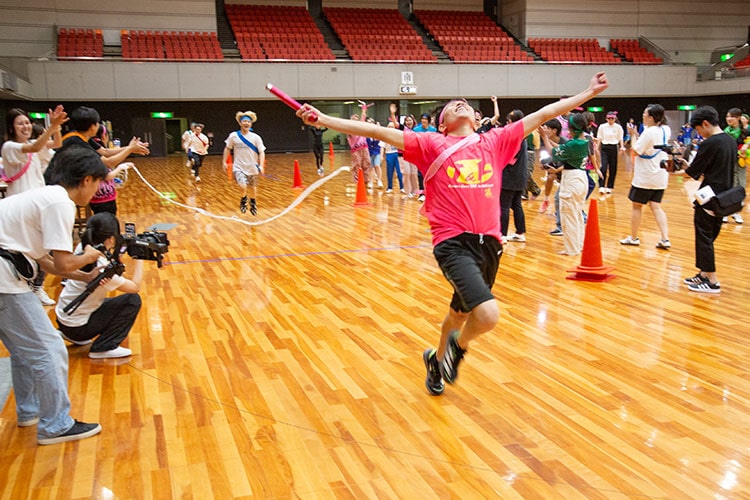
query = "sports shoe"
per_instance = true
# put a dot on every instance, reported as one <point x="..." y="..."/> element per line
<point x="388" y="191"/>
<point x="556" y="232"/>
<point x="197" y="178"/>
<point x="420" y="197"/>
<point x="705" y="287"/>
<point x="737" y="218"/>
<point x="724" y="220"/>
<point x="369" y="185"/>
<point x="609" y="190"/>
<point x="243" y="204"/>
<point x="320" y="171"/>
<point x="117" y="352"/>
<point x="253" y="207"/>
<point x="402" y="191"/>
<point x="631" y="241"/>
<point x="698" y="278"/>
<point x="80" y="430"/>
<point x="602" y="190"/>
<point x="433" y="382"/>
<point x="43" y="297"/>
<point x="29" y="422"/>
<point x="665" y="244"/>
<point x="519" y="238"/>
<point x="544" y="206"/>
<point x="74" y="342"/>
<point x="380" y="184"/>
<point x="452" y="358"/>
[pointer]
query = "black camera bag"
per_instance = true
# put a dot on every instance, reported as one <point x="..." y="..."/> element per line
<point x="728" y="202"/>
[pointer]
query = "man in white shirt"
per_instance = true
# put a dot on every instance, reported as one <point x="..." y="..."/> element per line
<point x="36" y="227"/>
<point x="611" y="135"/>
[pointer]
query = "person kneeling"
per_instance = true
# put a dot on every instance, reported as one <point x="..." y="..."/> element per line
<point x="108" y="318"/>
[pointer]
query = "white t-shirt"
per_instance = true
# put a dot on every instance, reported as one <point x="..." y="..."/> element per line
<point x="610" y="134"/>
<point x="74" y="288"/>
<point x="198" y="144"/>
<point x="14" y="160"/>
<point x="244" y="157"/>
<point x="647" y="174"/>
<point x="34" y="223"/>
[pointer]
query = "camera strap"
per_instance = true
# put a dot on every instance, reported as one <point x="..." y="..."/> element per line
<point x="648" y="157"/>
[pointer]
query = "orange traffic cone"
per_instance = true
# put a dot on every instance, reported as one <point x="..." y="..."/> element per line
<point x="591" y="268"/>
<point x="330" y="149"/>
<point x="229" y="166"/>
<point x="297" y="177"/>
<point x="361" y="198"/>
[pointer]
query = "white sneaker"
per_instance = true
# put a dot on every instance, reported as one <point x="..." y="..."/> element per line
<point x="725" y="220"/>
<point x="609" y="191"/>
<point x="380" y="184"/>
<point x="519" y="238"/>
<point x="117" y="352"/>
<point x="737" y="218"/>
<point x="665" y="244"/>
<point x="403" y="192"/>
<point x="602" y="190"/>
<point x="630" y="241"/>
<point x="43" y="297"/>
<point x="369" y="185"/>
<point x="388" y="191"/>
<point x="197" y="178"/>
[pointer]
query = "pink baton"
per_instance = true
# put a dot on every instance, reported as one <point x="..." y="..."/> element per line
<point x="286" y="99"/>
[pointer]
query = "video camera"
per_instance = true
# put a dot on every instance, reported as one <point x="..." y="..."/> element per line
<point x="674" y="162"/>
<point x="150" y="245"/>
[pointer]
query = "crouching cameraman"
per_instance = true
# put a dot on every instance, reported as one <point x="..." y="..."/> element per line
<point x="94" y="315"/>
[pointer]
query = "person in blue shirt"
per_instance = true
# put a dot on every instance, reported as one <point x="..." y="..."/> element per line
<point x="423" y="126"/>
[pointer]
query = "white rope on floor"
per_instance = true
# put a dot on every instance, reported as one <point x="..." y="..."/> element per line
<point x="304" y="194"/>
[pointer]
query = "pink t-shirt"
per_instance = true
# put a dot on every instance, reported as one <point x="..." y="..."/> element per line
<point x="464" y="194"/>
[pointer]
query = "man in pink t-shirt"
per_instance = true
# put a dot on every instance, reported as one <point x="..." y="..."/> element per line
<point x="462" y="207"/>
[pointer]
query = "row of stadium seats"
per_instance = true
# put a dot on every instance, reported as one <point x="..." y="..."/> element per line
<point x="170" y="46"/>
<point x="73" y="43"/>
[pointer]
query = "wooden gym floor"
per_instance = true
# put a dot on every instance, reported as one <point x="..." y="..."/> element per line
<point x="283" y="360"/>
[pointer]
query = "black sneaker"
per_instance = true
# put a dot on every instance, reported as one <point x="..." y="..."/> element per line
<point x="253" y="207"/>
<point x="243" y="204"/>
<point x="452" y="358"/>
<point x="695" y="280"/>
<point x="433" y="382"/>
<point x="705" y="287"/>
<point x="80" y="430"/>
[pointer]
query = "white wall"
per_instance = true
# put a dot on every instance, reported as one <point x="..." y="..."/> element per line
<point x="107" y="81"/>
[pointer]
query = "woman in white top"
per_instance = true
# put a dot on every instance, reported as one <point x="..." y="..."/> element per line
<point x="25" y="161"/>
<point x="649" y="178"/>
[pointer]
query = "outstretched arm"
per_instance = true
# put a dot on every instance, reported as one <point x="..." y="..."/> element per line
<point x="496" y="110"/>
<point x="392" y="136"/>
<point x="597" y="85"/>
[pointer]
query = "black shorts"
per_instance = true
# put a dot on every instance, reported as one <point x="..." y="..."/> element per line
<point x="469" y="262"/>
<point x="643" y="196"/>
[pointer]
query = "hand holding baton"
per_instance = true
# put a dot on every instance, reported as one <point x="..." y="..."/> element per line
<point x="286" y="99"/>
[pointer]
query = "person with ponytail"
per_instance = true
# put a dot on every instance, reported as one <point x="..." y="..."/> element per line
<point x="649" y="179"/>
<point x="574" y="182"/>
<point x="108" y="320"/>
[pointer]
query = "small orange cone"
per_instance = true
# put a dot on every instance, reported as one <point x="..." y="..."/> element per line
<point x="297" y="177"/>
<point x="591" y="268"/>
<point x="229" y="166"/>
<point x="361" y="199"/>
<point x="330" y="149"/>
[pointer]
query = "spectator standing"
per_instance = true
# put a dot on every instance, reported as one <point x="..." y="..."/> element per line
<point x="649" y="179"/>
<point x="612" y="138"/>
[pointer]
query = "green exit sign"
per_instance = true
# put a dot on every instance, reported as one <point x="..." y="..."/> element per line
<point x="596" y="109"/>
<point x="162" y="114"/>
<point x="686" y="107"/>
<point x="37" y="116"/>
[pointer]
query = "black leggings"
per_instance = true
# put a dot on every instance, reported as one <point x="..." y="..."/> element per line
<point x="111" y="322"/>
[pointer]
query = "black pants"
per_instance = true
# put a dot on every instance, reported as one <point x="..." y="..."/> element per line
<point x="707" y="228"/>
<point x="511" y="200"/>
<point x="111" y="322"/>
<point x="609" y="165"/>
<point x="318" y="152"/>
<point x="197" y="162"/>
